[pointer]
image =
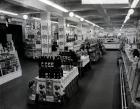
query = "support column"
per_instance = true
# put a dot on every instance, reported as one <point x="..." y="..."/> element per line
<point x="80" y="32"/>
<point x="46" y="33"/>
<point x="61" y="32"/>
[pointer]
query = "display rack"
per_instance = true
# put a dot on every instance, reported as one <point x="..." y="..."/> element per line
<point x="129" y="79"/>
<point x="54" y="89"/>
<point x="84" y="63"/>
<point x="95" y="53"/>
<point x="33" y="38"/>
<point x="9" y="66"/>
<point x="110" y="42"/>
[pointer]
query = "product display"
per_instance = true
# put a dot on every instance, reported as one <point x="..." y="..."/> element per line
<point x="9" y="63"/>
<point x="33" y="39"/>
<point x="53" y="90"/>
<point x="50" y="67"/>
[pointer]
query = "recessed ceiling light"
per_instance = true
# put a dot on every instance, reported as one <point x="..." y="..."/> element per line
<point x="25" y="17"/>
<point x="82" y="19"/>
<point x="130" y="12"/>
<point x="68" y="25"/>
<point x="71" y="14"/>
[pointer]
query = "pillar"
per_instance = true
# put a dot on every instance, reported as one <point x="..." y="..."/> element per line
<point x="80" y="32"/>
<point x="46" y="33"/>
<point x="61" y="32"/>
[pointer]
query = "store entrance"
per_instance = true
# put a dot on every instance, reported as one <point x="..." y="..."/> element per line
<point x="16" y="31"/>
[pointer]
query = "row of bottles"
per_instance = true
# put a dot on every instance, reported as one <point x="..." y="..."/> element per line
<point x="50" y="67"/>
<point x="51" y="73"/>
<point x="67" y="61"/>
<point x="49" y="62"/>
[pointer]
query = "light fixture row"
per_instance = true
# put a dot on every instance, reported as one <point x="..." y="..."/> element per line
<point x="130" y="12"/>
<point x="71" y="14"/>
<point x="50" y="3"/>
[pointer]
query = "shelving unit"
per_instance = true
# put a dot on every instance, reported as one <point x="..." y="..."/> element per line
<point x="32" y="40"/>
<point x="55" y="89"/>
<point x="9" y="66"/>
<point x="129" y="79"/>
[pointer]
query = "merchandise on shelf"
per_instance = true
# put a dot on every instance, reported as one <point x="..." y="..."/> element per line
<point x="32" y="41"/>
<point x="69" y="59"/>
<point x="50" y="67"/>
<point x="52" y="90"/>
<point x="9" y="63"/>
<point x="110" y="42"/>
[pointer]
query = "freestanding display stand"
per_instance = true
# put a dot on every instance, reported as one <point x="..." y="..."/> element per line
<point x="9" y="65"/>
<point x="83" y="63"/>
<point x="54" y="90"/>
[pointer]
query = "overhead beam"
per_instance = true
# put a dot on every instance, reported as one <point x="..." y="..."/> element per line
<point x="35" y="5"/>
<point x="103" y="12"/>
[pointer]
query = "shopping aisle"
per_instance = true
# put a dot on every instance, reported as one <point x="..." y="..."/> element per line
<point x="99" y="89"/>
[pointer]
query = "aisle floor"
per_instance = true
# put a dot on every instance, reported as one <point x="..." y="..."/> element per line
<point x="99" y="88"/>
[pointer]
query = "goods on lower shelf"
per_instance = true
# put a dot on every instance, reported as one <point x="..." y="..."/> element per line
<point x="110" y="42"/>
<point x="9" y="63"/>
<point x="53" y="90"/>
<point x="50" y="67"/>
<point x="95" y="52"/>
<point x="129" y="76"/>
<point x="69" y="58"/>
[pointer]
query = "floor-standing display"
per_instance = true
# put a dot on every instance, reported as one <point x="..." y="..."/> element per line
<point x="54" y="82"/>
<point x="9" y="63"/>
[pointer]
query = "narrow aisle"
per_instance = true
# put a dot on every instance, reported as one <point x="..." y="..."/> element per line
<point x="100" y="88"/>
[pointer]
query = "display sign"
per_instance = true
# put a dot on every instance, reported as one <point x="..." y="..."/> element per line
<point x="105" y="2"/>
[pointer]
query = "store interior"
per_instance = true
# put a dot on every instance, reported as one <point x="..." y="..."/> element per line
<point x="69" y="54"/>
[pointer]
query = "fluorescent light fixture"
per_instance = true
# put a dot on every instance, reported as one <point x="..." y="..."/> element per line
<point x="8" y="12"/>
<point x="54" y="5"/>
<point x="93" y="24"/>
<point x="25" y="17"/>
<point x="134" y="3"/>
<point x="78" y="16"/>
<point x="127" y="17"/>
<point x="35" y="18"/>
<point x="54" y="22"/>
<point x="105" y="1"/>
<point x="71" y="14"/>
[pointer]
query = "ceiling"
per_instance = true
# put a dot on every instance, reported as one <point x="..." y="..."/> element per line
<point x="102" y="15"/>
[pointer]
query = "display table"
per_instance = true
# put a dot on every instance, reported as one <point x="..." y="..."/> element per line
<point x="54" y="90"/>
<point x="10" y="68"/>
<point x="83" y="63"/>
